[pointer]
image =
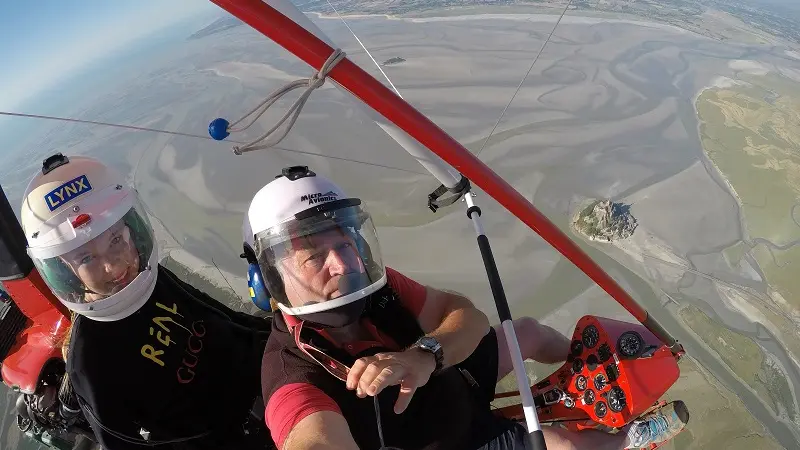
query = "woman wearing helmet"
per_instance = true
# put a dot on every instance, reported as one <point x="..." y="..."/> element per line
<point x="423" y="363"/>
<point x="153" y="361"/>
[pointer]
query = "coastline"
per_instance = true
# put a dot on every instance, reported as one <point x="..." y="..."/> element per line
<point x="543" y="17"/>
<point x="719" y="82"/>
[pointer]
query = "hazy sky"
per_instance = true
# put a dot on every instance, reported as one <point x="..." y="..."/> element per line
<point x="47" y="40"/>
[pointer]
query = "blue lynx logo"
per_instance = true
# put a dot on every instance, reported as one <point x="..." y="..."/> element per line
<point x="68" y="191"/>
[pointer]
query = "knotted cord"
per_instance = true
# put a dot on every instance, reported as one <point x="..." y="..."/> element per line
<point x="315" y="81"/>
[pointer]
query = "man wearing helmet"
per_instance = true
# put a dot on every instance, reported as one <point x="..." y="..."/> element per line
<point x="363" y="357"/>
<point x="152" y="360"/>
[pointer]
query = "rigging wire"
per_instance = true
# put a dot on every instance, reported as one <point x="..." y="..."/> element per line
<point x="196" y="136"/>
<point x="107" y="124"/>
<point x="569" y="2"/>
<point x="365" y="49"/>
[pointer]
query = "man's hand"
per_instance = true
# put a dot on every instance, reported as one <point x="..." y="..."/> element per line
<point x="410" y="369"/>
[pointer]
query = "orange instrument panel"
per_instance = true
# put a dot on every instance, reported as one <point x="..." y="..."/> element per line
<point x="615" y="372"/>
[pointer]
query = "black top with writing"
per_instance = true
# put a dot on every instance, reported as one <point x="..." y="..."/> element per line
<point x="184" y="367"/>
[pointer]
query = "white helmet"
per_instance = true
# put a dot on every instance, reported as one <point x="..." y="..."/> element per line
<point x="89" y="237"/>
<point x="293" y="226"/>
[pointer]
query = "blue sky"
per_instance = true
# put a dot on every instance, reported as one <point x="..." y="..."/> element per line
<point x="48" y="40"/>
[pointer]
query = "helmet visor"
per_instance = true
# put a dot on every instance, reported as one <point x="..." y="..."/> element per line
<point x="320" y="257"/>
<point x="109" y="260"/>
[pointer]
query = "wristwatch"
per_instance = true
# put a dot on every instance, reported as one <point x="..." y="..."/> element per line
<point x="431" y="345"/>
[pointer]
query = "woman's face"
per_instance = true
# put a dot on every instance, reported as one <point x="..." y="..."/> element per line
<point x="107" y="263"/>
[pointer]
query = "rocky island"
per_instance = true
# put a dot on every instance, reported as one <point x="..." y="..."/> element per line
<point x="604" y="220"/>
<point x="392" y="61"/>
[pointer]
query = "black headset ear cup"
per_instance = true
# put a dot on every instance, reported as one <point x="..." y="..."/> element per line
<point x="248" y="253"/>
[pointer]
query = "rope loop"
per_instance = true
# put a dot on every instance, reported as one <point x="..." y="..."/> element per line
<point x="315" y="81"/>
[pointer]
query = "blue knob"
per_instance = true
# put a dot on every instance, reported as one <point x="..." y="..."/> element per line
<point x="218" y="129"/>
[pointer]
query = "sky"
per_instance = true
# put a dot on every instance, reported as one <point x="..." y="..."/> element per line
<point x="48" y="40"/>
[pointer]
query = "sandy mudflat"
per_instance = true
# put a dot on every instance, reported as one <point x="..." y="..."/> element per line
<point x="709" y="213"/>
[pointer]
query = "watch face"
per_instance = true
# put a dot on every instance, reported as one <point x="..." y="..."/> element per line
<point x="429" y="343"/>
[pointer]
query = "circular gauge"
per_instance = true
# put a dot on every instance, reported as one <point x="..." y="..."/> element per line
<point x="576" y="348"/>
<point x="569" y="403"/>
<point x="600" y="410"/>
<point x="616" y="399"/>
<point x="630" y="344"/>
<point x="604" y="352"/>
<point x="590" y="336"/>
<point x="592" y="362"/>
<point x="577" y="365"/>
<point x="588" y="397"/>
<point x="600" y="381"/>
<point x="581" y="382"/>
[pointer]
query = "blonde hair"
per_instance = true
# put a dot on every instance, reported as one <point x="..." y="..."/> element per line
<point x="67" y="338"/>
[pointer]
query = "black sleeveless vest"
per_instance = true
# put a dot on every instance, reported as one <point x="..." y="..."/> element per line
<point x="446" y="413"/>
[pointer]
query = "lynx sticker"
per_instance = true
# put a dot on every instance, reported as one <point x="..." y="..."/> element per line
<point x="68" y="191"/>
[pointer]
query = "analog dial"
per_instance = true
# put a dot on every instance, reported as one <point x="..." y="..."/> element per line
<point x="600" y="381"/>
<point x="616" y="399"/>
<point x="588" y="397"/>
<point x="580" y="383"/>
<point x="576" y="348"/>
<point x="630" y="344"/>
<point x="600" y="409"/>
<point x="577" y="365"/>
<point x="590" y="336"/>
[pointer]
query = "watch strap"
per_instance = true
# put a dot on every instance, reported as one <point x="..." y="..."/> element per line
<point x="435" y="350"/>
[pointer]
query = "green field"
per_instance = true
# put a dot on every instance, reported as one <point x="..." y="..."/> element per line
<point x="752" y="134"/>
<point x="745" y="358"/>
<point x="718" y="419"/>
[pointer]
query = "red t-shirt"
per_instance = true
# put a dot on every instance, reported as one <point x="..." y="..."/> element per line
<point x="291" y="403"/>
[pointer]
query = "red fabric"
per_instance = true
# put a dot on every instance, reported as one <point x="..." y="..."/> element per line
<point x="412" y="294"/>
<point x="292" y="403"/>
<point x="355" y="347"/>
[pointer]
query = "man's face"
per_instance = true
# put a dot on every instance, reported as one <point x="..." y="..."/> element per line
<point x="106" y="264"/>
<point x="313" y="265"/>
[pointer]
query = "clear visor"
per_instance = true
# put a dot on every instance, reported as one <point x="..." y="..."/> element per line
<point x="320" y="258"/>
<point x="103" y="265"/>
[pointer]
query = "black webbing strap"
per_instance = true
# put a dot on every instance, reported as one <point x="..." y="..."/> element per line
<point x="435" y="200"/>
